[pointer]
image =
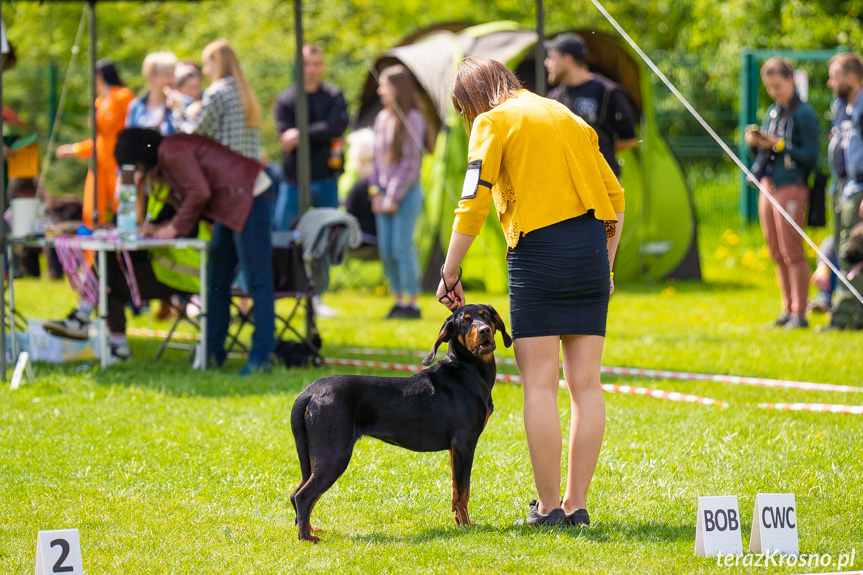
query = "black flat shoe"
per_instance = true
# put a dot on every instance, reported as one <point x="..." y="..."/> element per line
<point x="555" y="517"/>
<point x="578" y="517"/>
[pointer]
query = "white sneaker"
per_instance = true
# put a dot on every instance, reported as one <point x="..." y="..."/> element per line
<point x="118" y="352"/>
<point x="75" y="326"/>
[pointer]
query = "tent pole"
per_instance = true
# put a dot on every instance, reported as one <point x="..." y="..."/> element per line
<point x="540" y="48"/>
<point x="94" y="163"/>
<point x="303" y="151"/>
<point x="2" y="237"/>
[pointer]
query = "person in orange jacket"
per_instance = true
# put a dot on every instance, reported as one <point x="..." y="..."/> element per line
<point x="111" y="105"/>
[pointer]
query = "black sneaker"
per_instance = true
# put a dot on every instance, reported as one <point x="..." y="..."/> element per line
<point x="397" y="312"/>
<point x="796" y="322"/>
<point x="578" y="517"/>
<point x="411" y="312"/>
<point x="75" y="326"/>
<point x="782" y="320"/>
<point x="555" y="517"/>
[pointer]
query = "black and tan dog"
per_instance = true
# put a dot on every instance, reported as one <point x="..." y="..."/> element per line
<point x="442" y="408"/>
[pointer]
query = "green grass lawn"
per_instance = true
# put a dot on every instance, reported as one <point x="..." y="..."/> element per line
<point x="165" y="470"/>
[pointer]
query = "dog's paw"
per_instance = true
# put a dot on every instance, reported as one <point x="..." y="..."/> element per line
<point x="462" y="519"/>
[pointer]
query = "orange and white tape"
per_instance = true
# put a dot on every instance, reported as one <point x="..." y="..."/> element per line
<point x="819" y="407"/>
<point x="661" y="374"/>
<point x="161" y="334"/>
<point x="504" y="377"/>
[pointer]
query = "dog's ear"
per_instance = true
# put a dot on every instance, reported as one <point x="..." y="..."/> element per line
<point x="444" y="335"/>
<point x="498" y="325"/>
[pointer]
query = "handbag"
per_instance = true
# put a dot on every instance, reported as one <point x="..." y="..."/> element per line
<point x="817" y="216"/>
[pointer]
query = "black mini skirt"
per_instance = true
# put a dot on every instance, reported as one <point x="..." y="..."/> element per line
<point x="559" y="280"/>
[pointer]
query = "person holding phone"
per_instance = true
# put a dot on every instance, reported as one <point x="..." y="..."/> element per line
<point x="786" y="150"/>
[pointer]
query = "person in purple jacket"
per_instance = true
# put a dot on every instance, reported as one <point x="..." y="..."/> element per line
<point x="400" y="134"/>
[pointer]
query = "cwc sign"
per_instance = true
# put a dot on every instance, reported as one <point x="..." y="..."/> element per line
<point x="717" y="529"/>
<point x="774" y="524"/>
<point x="778" y="516"/>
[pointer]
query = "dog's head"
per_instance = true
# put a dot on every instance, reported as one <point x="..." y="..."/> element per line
<point x="472" y="327"/>
<point x="853" y="254"/>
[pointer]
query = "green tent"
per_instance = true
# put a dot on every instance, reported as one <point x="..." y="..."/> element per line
<point x="659" y="238"/>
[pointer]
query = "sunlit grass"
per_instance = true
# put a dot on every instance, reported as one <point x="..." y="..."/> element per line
<point x="166" y="470"/>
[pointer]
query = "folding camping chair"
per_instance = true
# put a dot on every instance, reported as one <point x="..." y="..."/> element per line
<point x="292" y="283"/>
<point x="181" y="340"/>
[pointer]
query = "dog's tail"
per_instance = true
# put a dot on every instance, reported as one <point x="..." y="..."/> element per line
<point x="301" y="438"/>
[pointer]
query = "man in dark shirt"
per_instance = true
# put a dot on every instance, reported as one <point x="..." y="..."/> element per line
<point x="596" y="99"/>
<point x="328" y="118"/>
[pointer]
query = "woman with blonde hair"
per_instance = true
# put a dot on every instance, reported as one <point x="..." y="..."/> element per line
<point x="229" y="111"/>
<point x="150" y="109"/>
<point x="561" y="208"/>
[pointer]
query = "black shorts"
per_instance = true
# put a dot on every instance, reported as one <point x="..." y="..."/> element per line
<point x="559" y="280"/>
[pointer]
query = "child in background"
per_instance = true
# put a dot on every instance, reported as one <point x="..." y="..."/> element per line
<point x="361" y="155"/>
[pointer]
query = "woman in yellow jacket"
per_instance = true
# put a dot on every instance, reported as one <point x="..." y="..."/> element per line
<point x="111" y="106"/>
<point x="561" y="208"/>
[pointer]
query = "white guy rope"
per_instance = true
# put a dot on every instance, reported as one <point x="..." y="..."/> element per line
<point x="49" y="147"/>
<point x="725" y="147"/>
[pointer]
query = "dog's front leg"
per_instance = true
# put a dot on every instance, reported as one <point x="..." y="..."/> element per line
<point x="461" y="462"/>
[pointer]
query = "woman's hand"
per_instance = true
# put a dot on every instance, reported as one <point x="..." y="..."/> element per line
<point x="166" y="231"/>
<point x="173" y="98"/>
<point x="450" y="292"/>
<point x="377" y="203"/>
<point x="821" y="278"/>
<point x="389" y="206"/>
<point x="611" y="286"/>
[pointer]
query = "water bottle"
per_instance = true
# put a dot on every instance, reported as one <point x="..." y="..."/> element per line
<point x="127" y="193"/>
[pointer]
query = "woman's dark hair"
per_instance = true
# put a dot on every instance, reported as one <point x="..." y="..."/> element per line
<point x="405" y="98"/>
<point x="777" y="66"/>
<point x="106" y="68"/>
<point x="138" y="147"/>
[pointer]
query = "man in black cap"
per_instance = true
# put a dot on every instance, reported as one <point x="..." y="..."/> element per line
<point x="596" y="99"/>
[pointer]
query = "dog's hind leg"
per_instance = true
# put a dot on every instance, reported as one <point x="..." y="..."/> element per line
<point x="301" y="440"/>
<point x="330" y="438"/>
<point x="324" y="474"/>
<point x="461" y="462"/>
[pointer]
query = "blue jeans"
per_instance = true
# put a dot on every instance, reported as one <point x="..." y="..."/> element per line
<point x="396" y="243"/>
<point x="252" y="249"/>
<point x="324" y="194"/>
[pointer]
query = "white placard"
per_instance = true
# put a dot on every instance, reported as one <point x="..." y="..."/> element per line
<point x="59" y="552"/>
<point x="774" y="524"/>
<point x="717" y="529"/>
<point x="22" y="368"/>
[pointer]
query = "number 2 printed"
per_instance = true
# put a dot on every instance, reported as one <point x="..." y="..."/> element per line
<point x="64" y="553"/>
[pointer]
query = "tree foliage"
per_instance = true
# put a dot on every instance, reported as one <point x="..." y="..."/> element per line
<point x="708" y="33"/>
